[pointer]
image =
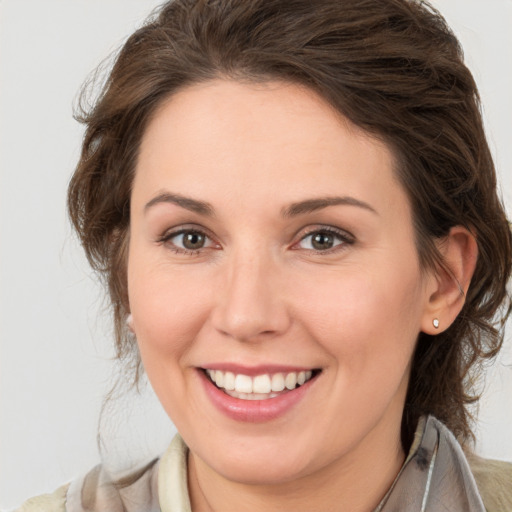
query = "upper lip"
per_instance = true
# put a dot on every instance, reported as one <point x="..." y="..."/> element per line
<point x="253" y="371"/>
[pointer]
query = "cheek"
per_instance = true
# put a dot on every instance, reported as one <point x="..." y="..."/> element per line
<point x="168" y="309"/>
<point x="366" y="319"/>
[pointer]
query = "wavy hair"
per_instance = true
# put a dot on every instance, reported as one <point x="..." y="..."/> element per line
<point x="393" y="68"/>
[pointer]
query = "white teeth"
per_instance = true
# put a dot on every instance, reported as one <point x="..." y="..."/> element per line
<point x="277" y="382"/>
<point x="229" y="381"/>
<point x="219" y="378"/>
<point x="243" y="384"/>
<point x="261" y="384"/>
<point x="291" y="381"/>
<point x="260" y="387"/>
<point x="252" y="396"/>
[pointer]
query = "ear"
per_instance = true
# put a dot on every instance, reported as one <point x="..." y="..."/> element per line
<point x="447" y="287"/>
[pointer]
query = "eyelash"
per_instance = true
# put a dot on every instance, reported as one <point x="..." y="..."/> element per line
<point x="343" y="236"/>
<point x="166" y="238"/>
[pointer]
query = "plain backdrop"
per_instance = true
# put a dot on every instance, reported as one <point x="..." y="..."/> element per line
<point x="55" y="334"/>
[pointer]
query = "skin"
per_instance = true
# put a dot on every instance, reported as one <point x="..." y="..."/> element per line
<point x="259" y="293"/>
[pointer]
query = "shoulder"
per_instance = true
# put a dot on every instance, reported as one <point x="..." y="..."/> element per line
<point x="494" y="481"/>
<point x="100" y="491"/>
<point x="55" y="502"/>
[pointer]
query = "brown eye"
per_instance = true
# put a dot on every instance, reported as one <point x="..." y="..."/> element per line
<point x="187" y="241"/>
<point x="193" y="240"/>
<point x="322" y="241"/>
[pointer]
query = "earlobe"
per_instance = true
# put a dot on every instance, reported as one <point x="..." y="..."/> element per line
<point x="129" y="323"/>
<point x="450" y="284"/>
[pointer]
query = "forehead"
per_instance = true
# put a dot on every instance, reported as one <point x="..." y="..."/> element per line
<point x="244" y="140"/>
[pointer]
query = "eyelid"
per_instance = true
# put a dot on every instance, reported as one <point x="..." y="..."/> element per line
<point x="187" y="228"/>
<point x="179" y="228"/>
<point x="345" y="236"/>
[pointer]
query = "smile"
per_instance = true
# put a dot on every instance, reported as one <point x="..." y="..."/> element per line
<point x="259" y="387"/>
<point x="257" y="394"/>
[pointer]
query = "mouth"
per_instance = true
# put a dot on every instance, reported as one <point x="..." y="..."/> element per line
<point x="259" y="387"/>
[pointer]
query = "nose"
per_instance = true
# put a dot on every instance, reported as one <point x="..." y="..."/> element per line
<point x="250" y="303"/>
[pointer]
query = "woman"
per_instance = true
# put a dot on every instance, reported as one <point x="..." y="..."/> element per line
<point x="295" y="210"/>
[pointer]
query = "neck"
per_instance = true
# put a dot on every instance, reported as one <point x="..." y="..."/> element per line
<point x="357" y="482"/>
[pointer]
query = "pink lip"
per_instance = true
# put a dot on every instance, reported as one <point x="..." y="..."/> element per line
<point x="254" y="411"/>
<point x="252" y="371"/>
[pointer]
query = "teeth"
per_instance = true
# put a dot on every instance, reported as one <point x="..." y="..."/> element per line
<point x="291" y="381"/>
<point x="260" y="387"/>
<point x="229" y="381"/>
<point x="243" y="384"/>
<point x="261" y="384"/>
<point x="219" y="379"/>
<point x="252" y="396"/>
<point x="278" y="382"/>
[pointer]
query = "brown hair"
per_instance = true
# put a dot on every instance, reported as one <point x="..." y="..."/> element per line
<point x="393" y="68"/>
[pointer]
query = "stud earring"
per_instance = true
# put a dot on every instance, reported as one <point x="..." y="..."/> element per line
<point x="129" y="322"/>
<point x="435" y="323"/>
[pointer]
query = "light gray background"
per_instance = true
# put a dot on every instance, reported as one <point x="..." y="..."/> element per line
<point x="55" y="335"/>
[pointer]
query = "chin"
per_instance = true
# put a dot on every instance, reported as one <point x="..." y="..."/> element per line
<point x="261" y="473"/>
<point x="263" y="465"/>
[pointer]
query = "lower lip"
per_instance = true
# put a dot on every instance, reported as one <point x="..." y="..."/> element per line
<point x="254" y="411"/>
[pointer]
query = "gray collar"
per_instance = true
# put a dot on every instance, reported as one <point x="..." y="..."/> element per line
<point x="436" y="476"/>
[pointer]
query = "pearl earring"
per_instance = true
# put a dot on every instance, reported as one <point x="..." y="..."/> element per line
<point x="129" y="322"/>
<point x="435" y="323"/>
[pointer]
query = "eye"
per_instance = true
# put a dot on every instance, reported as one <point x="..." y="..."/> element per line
<point x="323" y="240"/>
<point x="187" y="241"/>
<point x="191" y="240"/>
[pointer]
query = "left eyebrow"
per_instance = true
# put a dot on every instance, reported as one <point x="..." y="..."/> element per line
<point x="312" y="205"/>
<point x="200" y="207"/>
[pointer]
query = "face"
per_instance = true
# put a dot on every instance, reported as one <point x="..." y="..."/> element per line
<point x="272" y="251"/>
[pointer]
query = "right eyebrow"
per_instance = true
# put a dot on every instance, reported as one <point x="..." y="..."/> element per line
<point x="314" y="204"/>
<point x="200" y="207"/>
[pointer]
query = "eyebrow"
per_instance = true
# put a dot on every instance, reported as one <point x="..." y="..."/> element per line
<point x="200" y="207"/>
<point x="298" y="208"/>
<point x="312" y="205"/>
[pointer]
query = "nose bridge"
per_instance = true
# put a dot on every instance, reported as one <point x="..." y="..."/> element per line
<point x="250" y="304"/>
